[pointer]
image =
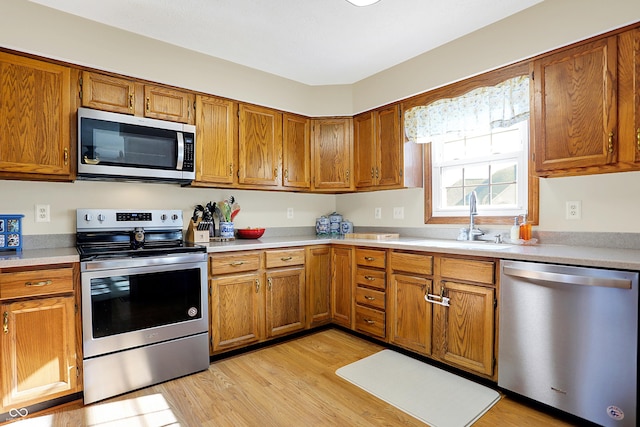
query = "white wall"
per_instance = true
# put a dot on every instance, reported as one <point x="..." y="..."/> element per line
<point x="608" y="201"/>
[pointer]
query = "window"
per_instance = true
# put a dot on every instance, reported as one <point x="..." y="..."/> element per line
<point x="477" y="139"/>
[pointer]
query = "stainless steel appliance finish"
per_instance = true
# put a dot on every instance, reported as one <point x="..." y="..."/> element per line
<point x="144" y="303"/>
<point x="569" y="339"/>
<point x="124" y="147"/>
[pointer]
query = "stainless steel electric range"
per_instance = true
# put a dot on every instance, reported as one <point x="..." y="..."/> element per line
<point x="144" y="300"/>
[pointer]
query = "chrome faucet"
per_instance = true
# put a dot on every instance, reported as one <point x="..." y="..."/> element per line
<point x="474" y="232"/>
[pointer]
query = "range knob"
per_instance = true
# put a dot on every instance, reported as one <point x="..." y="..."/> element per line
<point x="88" y="217"/>
<point x="163" y="217"/>
<point x="101" y="217"/>
<point x="174" y="217"/>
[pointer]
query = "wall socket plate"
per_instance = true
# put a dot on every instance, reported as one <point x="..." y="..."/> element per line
<point x="289" y="213"/>
<point x="43" y="213"/>
<point x="574" y="210"/>
<point x="398" y="213"/>
<point x="377" y="213"/>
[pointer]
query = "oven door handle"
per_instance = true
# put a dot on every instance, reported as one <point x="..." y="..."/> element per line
<point x="143" y="261"/>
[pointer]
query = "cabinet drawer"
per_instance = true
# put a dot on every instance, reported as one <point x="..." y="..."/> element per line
<point x="37" y="282"/>
<point x="466" y="269"/>
<point x="284" y="258"/>
<point x="412" y="263"/>
<point x="370" y="320"/>
<point x="370" y="277"/>
<point x="233" y="263"/>
<point x="370" y="297"/>
<point x="371" y="257"/>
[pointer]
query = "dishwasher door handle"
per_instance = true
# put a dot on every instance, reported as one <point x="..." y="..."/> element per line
<point x="573" y="279"/>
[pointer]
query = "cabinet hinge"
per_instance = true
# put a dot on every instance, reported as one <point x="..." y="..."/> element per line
<point x="80" y="83"/>
<point x="495" y="303"/>
<point x="75" y="307"/>
<point x="533" y="156"/>
<point x="532" y="76"/>
<point x="77" y="371"/>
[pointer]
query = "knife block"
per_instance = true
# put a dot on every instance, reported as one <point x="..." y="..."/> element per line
<point x="196" y="236"/>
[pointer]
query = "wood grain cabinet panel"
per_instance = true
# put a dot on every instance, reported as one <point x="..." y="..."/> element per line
<point x="318" y="282"/>
<point x="216" y="140"/>
<point x="108" y="93"/>
<point x="260" y="146"/>
<point x="332" y="154"/>
<point x="285" y="301"/>
<point x="296" y="152"/>
<point x="168" y="104"/>
<point x="341" y="285"/>
<point x="23" y="284"/>
<point x="35" y="137"/>
<point x="409" y="315"/>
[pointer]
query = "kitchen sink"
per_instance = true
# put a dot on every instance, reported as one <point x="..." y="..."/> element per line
<point x="462" y="244"/>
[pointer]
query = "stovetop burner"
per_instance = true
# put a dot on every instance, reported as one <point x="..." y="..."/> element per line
<point x="108" y="234"/>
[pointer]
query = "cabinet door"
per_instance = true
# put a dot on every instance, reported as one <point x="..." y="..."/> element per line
<point x="629" y="96"/>
<point x="463" y="333"/>
<point x="237" y="303"/>
<point x="296" y="152"/>
<point x="332" y="154"/>
<point x="38" y="351"/>
<point x="364" y="149"/>
<point x="168" y="104"/>
<point x="260" y="146"/>
<point x="35" y="134"/>
<point x="341" y="286"/>
<point x="285" y="301"/>
<point x="107" y="93"/>
<point x="389" y="150"/>
<point x="215" y="140"/>
<point x="409" y="314"/>
<point x="318" y="270"/>
<point x="575" y="107"/>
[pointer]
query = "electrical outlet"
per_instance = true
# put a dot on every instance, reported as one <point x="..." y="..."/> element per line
<point x="43" y="213"/>
<point x="398" y="213"/>
<point x="574" y="210"/>
<point x="377" y="213"/>
<point x="289" y="213"/>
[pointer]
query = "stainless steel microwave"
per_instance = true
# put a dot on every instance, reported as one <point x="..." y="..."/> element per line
<point x="122" y="147"/>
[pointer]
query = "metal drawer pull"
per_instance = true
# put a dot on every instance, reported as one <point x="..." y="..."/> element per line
<point x="5" y="322"/>
<point x="369" y="321"/>
<point x="437" y="299"/>
<point x="40" y="283"/>
<point x="369" y="298"/>
<point x="371" y="279"/>
<point x="236" y="263"/>
<point x="286" y="258"/>
<point x="369" y="258"/>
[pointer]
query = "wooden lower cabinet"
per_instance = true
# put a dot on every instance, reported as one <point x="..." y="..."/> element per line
<point x="409" y="315"/>
<point x="370" y="291"/>
<point x="341" y="285"/>
<point x="318" y="285"/>
<point x="39" y="350"/>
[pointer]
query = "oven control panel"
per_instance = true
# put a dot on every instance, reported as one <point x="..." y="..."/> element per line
<point x="126" y="219"/>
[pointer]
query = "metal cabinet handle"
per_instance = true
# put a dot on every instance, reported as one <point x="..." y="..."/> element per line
<point x="437" y="299"/>
<point x="236" y="263"/>
<point x="257" y="285"/>
<point x="40" y="283"/>
<point x="372" y="172"/>
<point x="230" y="169"/>
<point x="611" y="142"/>
<point x="286" y="258"/>
<point x="369" y="298"/>
<point x="369" y="278"/>
<point x="369" y="258"/>
<point x="130" y="101"/>
<point x="5" y="322"/>
<point x="638" y="138"/>
<point x="148" y="104"/>
<point x="369" y="321"/>
<point x="269" y="283"/>
<point x="66" y="156"/>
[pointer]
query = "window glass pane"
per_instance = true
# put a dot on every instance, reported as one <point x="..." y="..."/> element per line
<point x="504" y="194"/>
<point x="506" y="141"/>
<point x="478" y="146"/>
<point x="504" y="172"/>
<point x="453" y="150"/>
<point x="476" y="175"/>
<point x="454" y="197"/>
<point x="452" y="176"/>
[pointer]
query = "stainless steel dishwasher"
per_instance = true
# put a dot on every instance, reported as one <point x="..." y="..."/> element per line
<point x="569" y="339"/>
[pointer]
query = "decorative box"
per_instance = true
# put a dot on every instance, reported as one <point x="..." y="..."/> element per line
<point x="11" y="232"/>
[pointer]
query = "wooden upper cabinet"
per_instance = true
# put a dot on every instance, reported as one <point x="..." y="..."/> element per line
<point x="379" y="151"/>
<point x="260" y="146"/>
<point x="168" y="104"/>
<point x="216" y="141"/>
<point x="364" y="148"/>
<point x="575" y="107"/>
<point x="122" y="95"/>
<point x="35" y="110"/>
<point x="296" y="151"/>
<point x="107" y="93"/>
<point x="629" y="97"/>
<point x="332" y="154"/>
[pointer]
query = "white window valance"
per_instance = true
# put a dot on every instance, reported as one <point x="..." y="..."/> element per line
<point x="476" y="112"/>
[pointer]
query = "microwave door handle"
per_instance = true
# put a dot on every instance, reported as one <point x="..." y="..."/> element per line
<point x="180" y="161"/>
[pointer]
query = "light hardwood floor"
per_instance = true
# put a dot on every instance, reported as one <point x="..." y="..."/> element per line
<point x="287" y="384"/>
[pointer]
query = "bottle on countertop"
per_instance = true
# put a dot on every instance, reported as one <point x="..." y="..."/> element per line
<point x="525" y="228"/>
<point x="515" y="230"/>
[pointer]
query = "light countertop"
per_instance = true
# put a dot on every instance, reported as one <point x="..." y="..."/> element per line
<point x="627" y="259"/>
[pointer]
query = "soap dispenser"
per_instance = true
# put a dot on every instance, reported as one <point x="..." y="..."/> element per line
<point x="515" y="230"/>
<point x="525" y="228"/>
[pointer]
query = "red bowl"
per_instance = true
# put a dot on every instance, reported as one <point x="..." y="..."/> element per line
<point x="249" y="233"/>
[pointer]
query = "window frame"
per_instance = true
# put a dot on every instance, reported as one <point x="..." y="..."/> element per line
<point x="490" y="78"/>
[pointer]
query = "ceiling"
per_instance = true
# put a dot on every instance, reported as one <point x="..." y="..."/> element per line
<point x="315" y="42"/>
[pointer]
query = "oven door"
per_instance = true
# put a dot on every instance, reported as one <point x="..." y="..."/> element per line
<point x="139" y="301"/>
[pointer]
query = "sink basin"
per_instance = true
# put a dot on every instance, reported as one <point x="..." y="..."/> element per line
<point x="462" y="244"/>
